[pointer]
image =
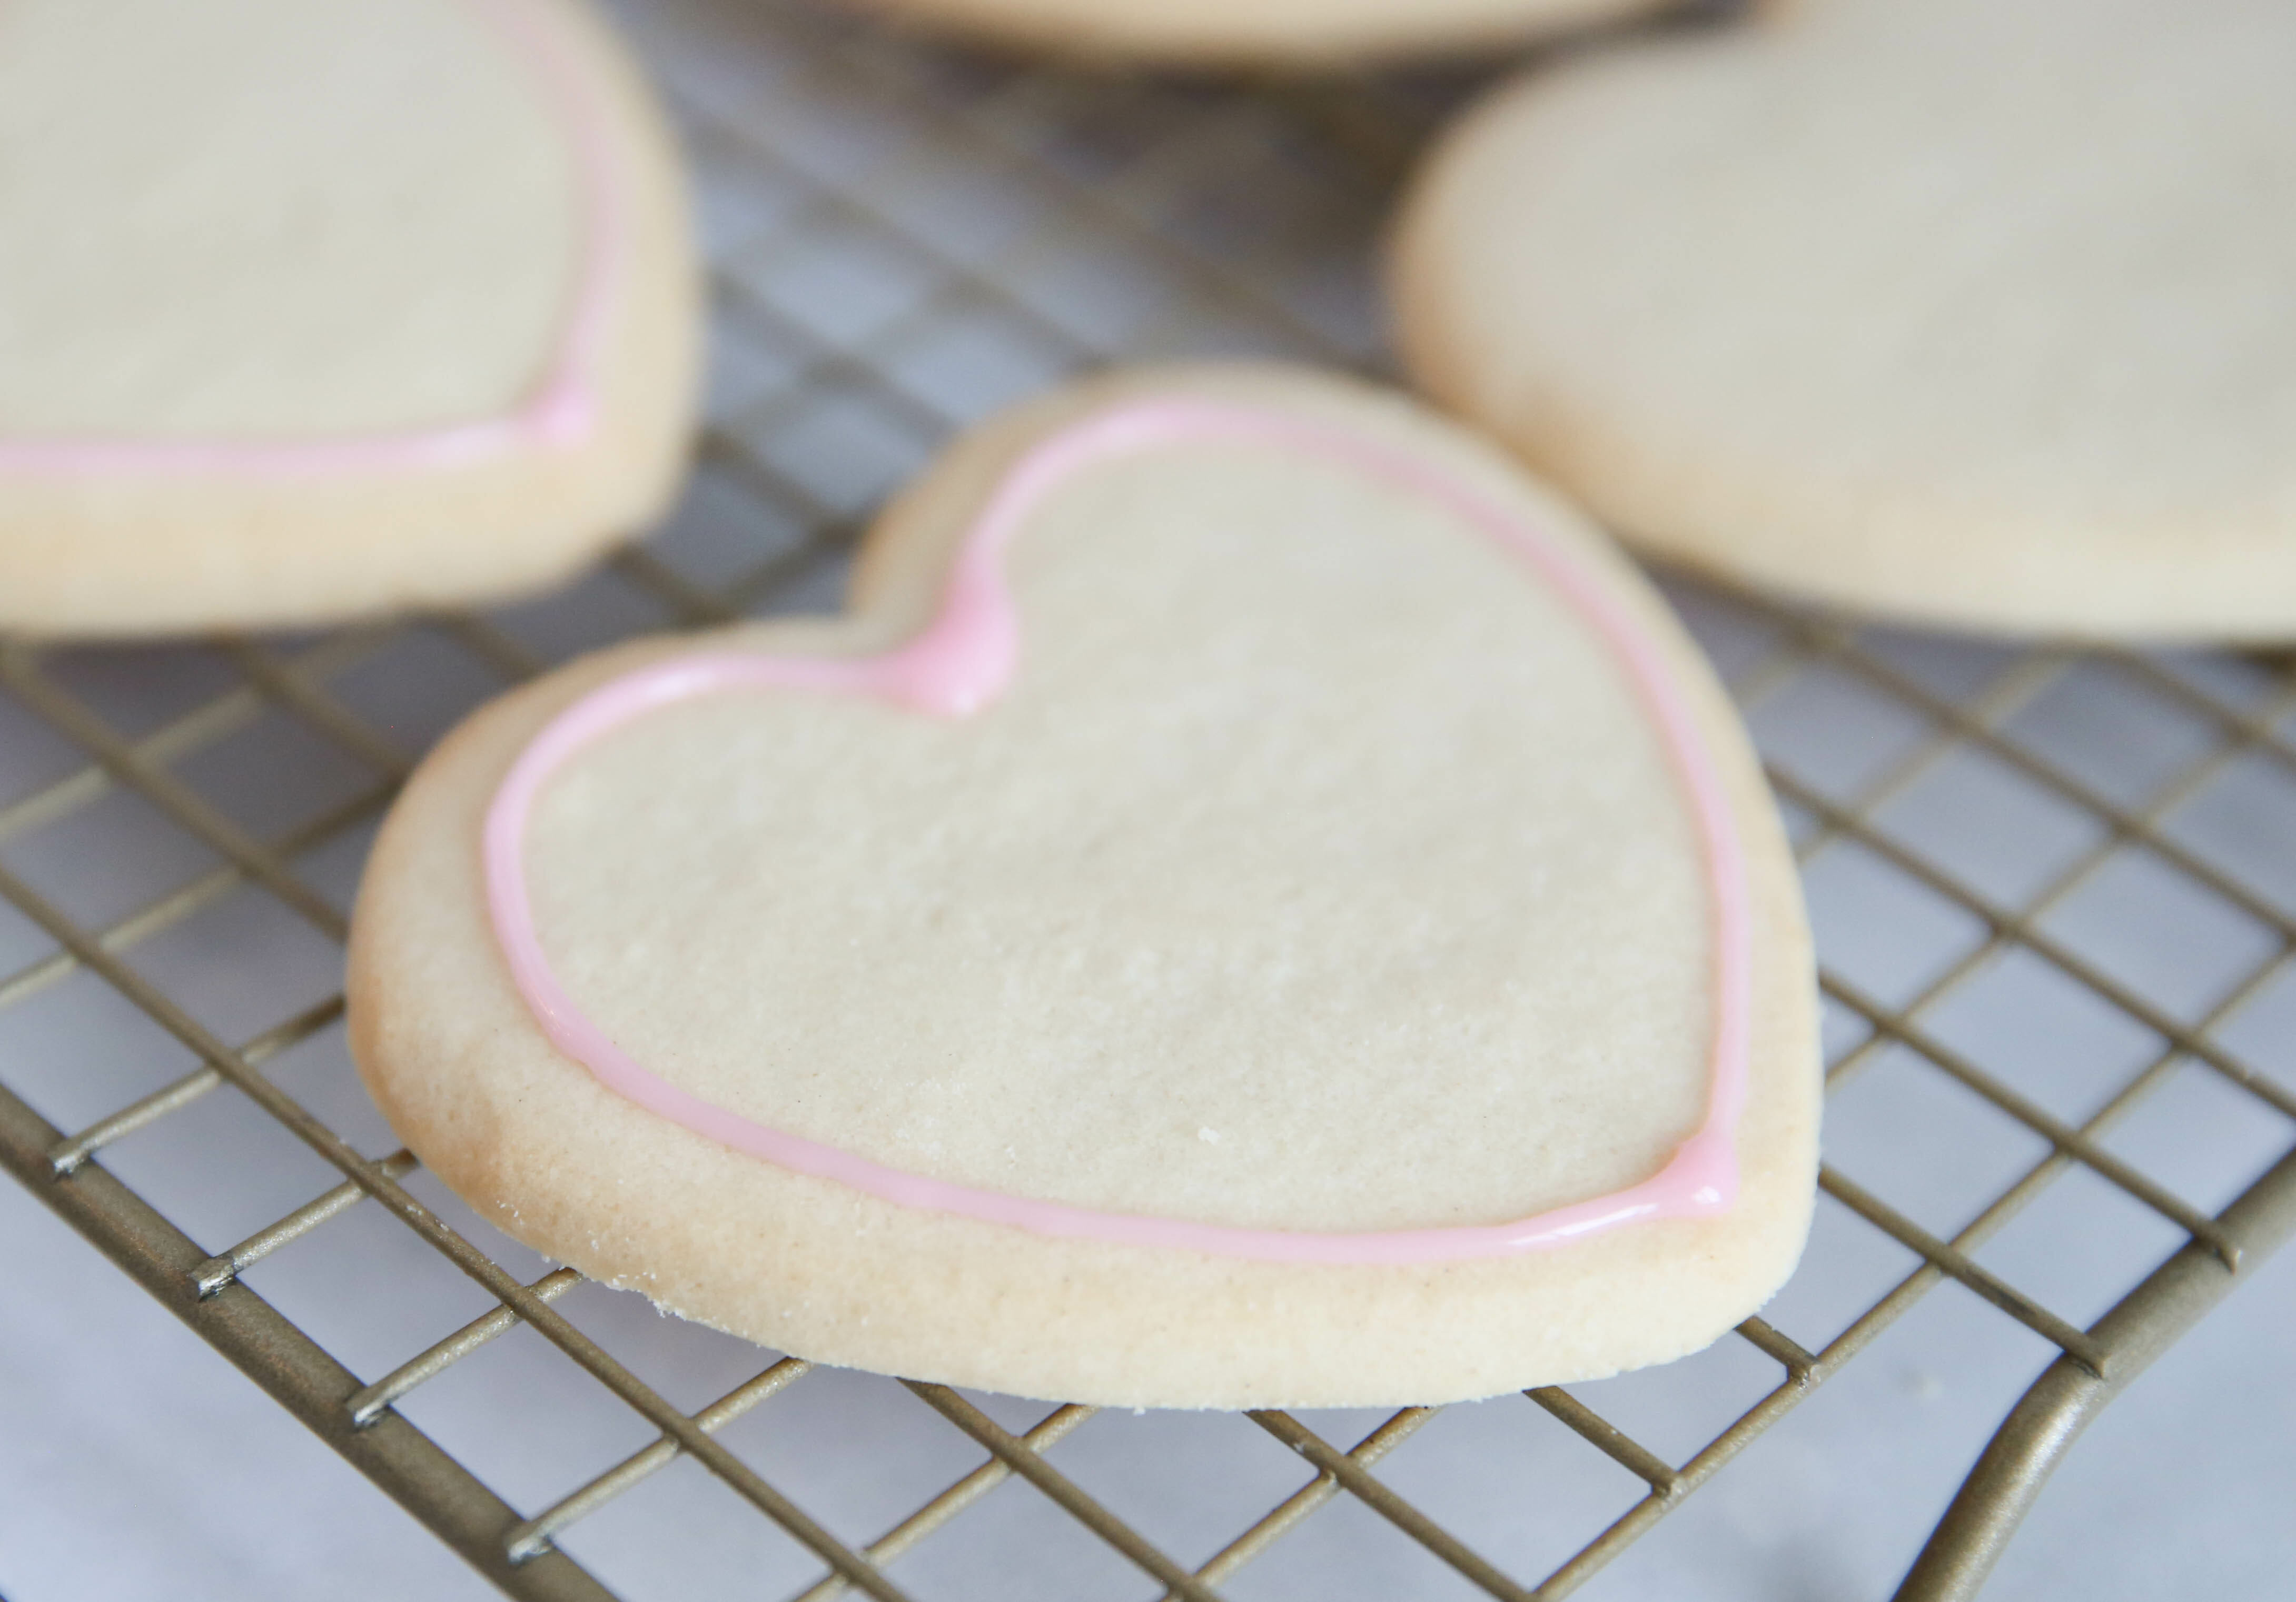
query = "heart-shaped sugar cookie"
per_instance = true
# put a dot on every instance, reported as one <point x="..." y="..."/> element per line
<point x="1257" y="905"/>
<point x="315" y="308"/>
<point x="1969" y="312"/>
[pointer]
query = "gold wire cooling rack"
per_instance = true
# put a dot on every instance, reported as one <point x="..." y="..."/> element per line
<point x="902" y="238"/>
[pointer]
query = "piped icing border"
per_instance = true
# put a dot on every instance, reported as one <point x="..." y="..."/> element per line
<point x="959" y="663"/>
<point x="560" y="411"/>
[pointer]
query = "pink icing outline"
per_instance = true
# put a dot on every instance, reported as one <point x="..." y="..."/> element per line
<point x="959" y="664"/>
<point x="562" y="409"/>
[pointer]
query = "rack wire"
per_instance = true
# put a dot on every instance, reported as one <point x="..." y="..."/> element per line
<point x="902" y="237"/>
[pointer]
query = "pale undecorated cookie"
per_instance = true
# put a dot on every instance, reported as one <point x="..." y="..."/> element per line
<point x="1259" y="32"/>
<point x="1259" y="904"/>
<point x="1974" y="312"/>
<point x="312" y="308"/>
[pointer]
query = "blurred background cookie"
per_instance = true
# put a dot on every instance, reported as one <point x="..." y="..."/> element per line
<point x="1976" y="313"/>
<point x="314" y="308"/>
<point x="1259" y="32"/>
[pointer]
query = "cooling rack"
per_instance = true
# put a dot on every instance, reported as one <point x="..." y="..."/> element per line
<point x="2053" y="892"/>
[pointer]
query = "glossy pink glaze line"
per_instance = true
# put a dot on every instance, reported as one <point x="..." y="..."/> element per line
<point x="561" y="412"/>
<point x="959" y="664"/>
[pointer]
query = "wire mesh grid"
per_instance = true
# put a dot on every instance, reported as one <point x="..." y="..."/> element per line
<point x="2052" y="891"/>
